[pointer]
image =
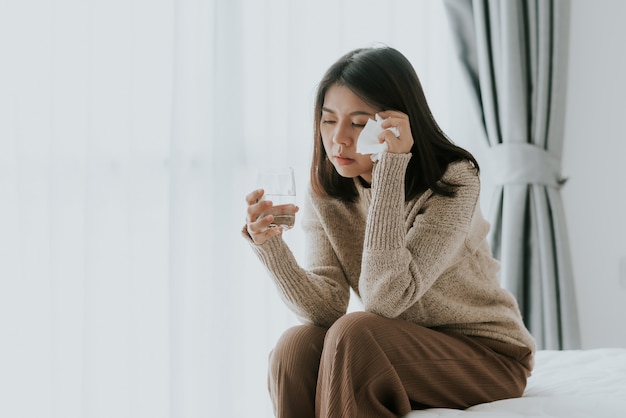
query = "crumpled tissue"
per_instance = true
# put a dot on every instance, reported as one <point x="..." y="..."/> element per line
<point x="367" y="142"/>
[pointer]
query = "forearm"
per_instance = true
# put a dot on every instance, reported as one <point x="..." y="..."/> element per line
<point x="409" y="245"/>
<point x="314" y="298"/>
<point x="386" y="283"/>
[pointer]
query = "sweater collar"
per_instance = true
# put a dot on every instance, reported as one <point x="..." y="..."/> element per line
<point x="365" y="193"/>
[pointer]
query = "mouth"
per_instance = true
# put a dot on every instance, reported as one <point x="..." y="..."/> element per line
<point x="341" y="160"/>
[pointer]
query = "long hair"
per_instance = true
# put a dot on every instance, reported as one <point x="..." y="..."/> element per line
<point x="385" y="79"/>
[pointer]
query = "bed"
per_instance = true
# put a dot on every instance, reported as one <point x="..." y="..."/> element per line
<point x="567" y="384"/>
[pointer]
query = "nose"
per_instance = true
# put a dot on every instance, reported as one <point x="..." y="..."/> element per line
<point x="344" y="134"/>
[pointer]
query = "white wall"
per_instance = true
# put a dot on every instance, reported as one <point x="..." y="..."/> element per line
<point x="595" y="146"/>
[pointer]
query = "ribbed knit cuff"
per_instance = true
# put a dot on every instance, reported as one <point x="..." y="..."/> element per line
<point x="385" y="225"/>
<point x="279" y="263"/>
<point x="270" y="252"/>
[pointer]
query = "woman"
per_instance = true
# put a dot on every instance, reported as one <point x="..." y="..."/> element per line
<point x="406" y="234"/>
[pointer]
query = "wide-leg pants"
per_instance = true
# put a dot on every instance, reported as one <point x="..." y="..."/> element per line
<point x="369" y="366"/>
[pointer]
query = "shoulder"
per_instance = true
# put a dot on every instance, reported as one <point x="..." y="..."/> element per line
<point x="461" y="170"/>
<point x="462" y="174"/>
<point x="322" y="207"/>
<point x="313" y="201"/>
<point x="464" y="179"/>
<point x="456" y="211"/>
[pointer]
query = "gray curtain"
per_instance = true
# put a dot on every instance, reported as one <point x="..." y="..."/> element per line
<point x="514" y="54"/>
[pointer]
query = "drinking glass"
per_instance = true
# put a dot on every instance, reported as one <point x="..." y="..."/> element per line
<point x="280" y="187"/>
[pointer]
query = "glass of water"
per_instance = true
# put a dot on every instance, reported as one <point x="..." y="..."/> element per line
<point x="280" y="187"/>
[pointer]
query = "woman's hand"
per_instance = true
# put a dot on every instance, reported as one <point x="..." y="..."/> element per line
<point x="401" y="144"/>
<point x="259" y="217"/>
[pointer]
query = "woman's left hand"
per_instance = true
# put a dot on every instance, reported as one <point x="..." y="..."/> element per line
<point x="401" y="144"/>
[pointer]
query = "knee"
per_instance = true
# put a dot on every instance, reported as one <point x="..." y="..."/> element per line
<point x="298" y="345"/>
<point x="355" y="327"/>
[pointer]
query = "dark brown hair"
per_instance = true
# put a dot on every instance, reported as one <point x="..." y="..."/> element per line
<point x="385" y="79"/>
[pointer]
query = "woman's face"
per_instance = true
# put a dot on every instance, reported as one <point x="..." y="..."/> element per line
<point x="344" y="115"/>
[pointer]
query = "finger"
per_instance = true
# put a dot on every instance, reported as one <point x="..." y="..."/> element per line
<point x="253" y="197"/>
<point x="393" y="125"/>
<point x="393" y="114"/>
<point x="388" y="136"/>
<point x="385" y="114"/>
<point x="387" y="123"/>
<point x="256" y="209"/>
<point x="260" y="225"/>
<point x="260" y="231"/>
<point x="394" y="119"/>
<point x="394" y="143"/>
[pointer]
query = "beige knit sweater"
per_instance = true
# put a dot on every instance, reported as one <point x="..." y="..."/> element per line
<point x="426" y="261"/>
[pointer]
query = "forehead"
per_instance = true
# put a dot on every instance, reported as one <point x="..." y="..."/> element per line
<point x="340" y="99"/>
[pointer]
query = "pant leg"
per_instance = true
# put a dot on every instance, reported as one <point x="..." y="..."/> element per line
<point x="378" y="367"/>
<point x="293" y="369"/>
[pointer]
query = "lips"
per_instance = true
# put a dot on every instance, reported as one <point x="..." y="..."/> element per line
<point x="343" y="160"/>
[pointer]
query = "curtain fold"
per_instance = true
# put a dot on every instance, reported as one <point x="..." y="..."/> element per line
<point x="514" y="57"/>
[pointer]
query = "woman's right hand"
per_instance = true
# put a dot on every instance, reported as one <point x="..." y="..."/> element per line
<point x="259" y="226"/>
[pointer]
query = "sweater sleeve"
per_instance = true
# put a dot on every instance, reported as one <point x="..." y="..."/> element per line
<point x="319" y="295"/>
<point x="405" y="253"/>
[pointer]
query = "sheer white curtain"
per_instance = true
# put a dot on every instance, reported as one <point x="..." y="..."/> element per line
<point x="129" y="135"/>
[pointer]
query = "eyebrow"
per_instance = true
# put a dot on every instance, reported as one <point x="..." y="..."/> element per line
<point x="355" y="113"/>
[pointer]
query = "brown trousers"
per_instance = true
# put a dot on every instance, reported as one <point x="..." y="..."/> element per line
<point x="369" y="366"/>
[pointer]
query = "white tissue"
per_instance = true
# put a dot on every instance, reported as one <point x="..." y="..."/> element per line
<point x="367" y="142"/>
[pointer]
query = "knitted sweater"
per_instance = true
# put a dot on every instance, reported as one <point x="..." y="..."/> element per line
<point x="426" y="261"/>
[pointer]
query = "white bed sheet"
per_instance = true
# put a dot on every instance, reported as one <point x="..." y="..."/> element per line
<point x="564" y="384"/>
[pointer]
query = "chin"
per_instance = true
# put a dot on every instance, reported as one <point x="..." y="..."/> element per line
<point x="349" y="174"/>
